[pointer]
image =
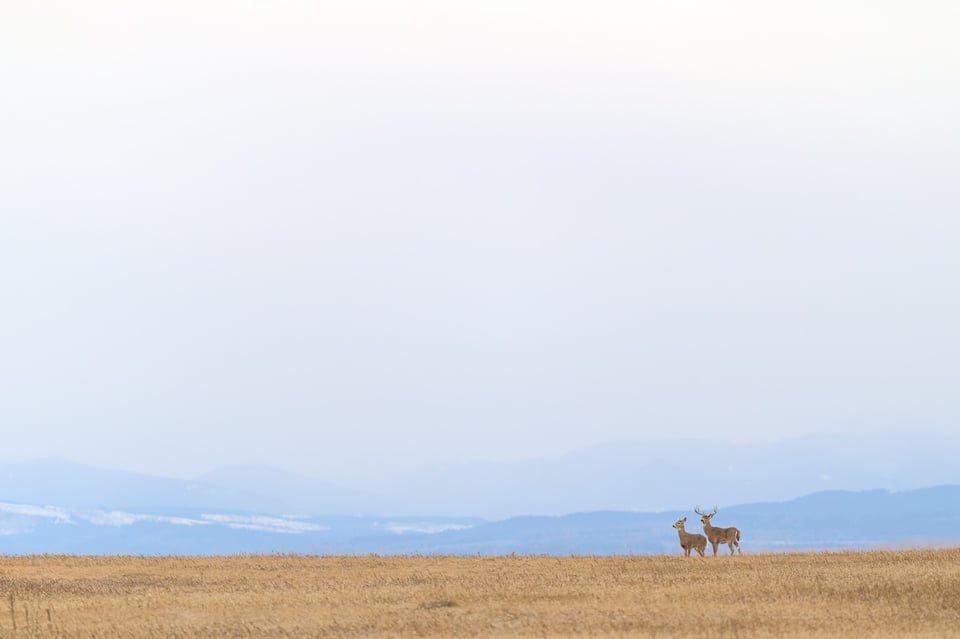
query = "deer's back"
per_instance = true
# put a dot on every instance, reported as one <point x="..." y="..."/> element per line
<point x="723" y="534"/>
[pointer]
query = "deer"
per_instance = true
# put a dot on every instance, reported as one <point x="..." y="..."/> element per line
<point x="717" y="536"/>
<point x="690" y="541"/>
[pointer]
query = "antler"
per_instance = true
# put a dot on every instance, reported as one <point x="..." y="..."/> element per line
<point x="715" y="510"/>
<point x="697" y="510"/>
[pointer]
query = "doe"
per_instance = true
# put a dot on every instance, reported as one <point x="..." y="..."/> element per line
<point x="690" y="541"/>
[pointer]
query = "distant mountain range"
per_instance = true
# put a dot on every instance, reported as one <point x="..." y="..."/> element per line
<point x="825" y="520"/>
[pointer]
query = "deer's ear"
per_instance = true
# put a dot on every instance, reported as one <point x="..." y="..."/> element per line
<point x="684" y="519"/>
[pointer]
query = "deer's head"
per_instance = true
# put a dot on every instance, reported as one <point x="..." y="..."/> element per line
<point x="680" y="523"/>
<point x="705" y="517"/>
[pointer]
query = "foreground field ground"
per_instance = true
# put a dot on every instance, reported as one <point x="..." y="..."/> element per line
<point x="908" y="593"/>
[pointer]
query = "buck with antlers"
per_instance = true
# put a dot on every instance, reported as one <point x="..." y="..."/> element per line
<point x="717" y="536"/>
<point x="690" y="541"/>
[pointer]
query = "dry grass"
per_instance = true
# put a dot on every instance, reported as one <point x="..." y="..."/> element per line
<point x="894" y="593"/>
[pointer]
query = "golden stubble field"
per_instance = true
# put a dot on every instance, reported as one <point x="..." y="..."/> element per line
<point x="894" y="593"/>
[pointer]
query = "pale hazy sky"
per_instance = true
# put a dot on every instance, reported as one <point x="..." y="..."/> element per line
<point x="355" y="237"/>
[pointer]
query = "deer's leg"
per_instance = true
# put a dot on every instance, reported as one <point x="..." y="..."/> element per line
<point x="715" y="544"/>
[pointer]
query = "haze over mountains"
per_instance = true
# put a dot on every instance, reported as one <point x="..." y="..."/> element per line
<point x="665" y="475"/>
<point x="625" y="477"/>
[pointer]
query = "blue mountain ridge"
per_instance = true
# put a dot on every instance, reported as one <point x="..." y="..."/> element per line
<point x="820" y="521"/>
